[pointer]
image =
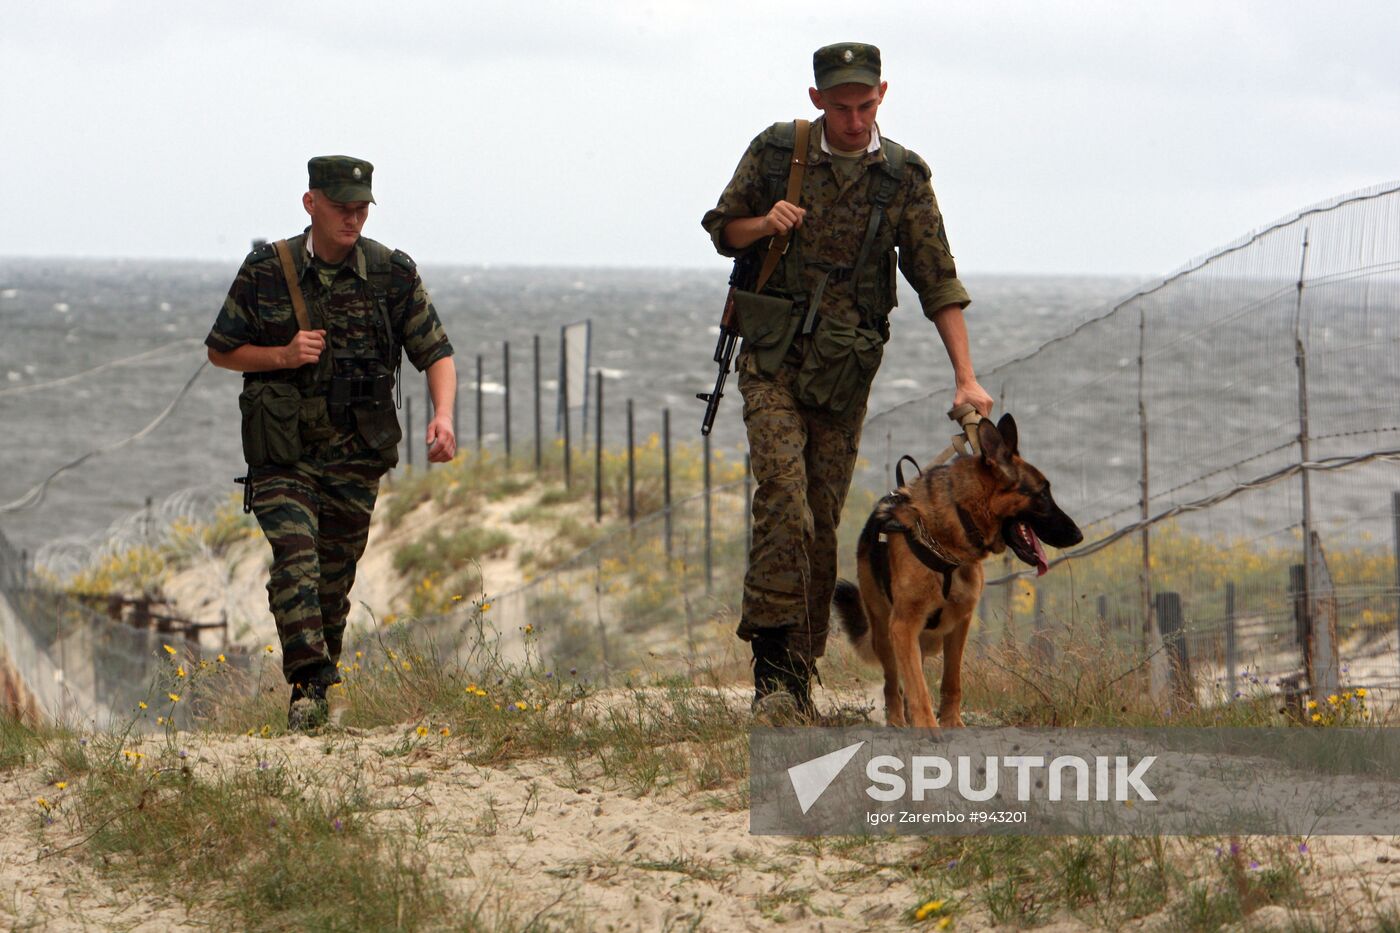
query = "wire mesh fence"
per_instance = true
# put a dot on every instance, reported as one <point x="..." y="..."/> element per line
<point x="1226" y="436"/>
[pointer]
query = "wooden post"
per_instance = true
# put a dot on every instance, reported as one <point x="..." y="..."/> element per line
<point x="1173" y="629"/>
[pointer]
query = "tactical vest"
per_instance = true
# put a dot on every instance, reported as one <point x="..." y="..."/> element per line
<point x="351" y="388"/>
<point x="872" y="268"/>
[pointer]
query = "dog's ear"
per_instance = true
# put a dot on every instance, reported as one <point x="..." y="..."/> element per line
<point x="995" y="452"/>
<point x="1007" y="428"/>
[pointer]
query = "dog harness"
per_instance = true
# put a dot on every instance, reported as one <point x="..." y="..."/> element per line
<point x="920" y="542"/>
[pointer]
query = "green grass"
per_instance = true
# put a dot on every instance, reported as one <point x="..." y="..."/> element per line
<point x="263" y="844"/>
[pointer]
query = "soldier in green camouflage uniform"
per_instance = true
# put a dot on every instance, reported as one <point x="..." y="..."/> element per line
<point x="319" y="420"/>
<point x="804" y="401"/>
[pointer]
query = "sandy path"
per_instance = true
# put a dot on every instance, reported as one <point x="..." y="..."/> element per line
<point x="559" y="839"/>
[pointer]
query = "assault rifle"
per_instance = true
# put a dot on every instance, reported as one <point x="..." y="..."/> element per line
<point x="724" y="346"/>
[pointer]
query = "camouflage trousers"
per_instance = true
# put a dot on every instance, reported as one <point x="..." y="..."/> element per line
<point x="802" y="461"/>
<point x="316" y="517"/>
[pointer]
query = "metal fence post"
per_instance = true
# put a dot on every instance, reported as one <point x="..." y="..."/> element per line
<point x="408" y="430"/>
<point x="564" y="401"/>
<point x="539" y="441"/>
<point x="598" y="456"/>
<point x="1232" y="661"/>
<point x="428" y="412"/>
<point x="631" y="466"/>
<point x="1395" y="518"/>
<point x="709" y="536"/>
<point x="505" y="379"/>
<point x="666" y="475"/>
<point x="480" y="428"/>
<point x="1305" y="579"/>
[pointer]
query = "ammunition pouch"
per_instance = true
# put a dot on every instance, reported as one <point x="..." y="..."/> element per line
<point x="838" y="367"/>
<point x="768" y="325"/>
<point x="378" y="426"/>
<point x="271" y="423"/>
<point x="351" y="392"/>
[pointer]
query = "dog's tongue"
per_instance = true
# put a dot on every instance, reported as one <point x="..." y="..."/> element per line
<point x="1042" y="564"/>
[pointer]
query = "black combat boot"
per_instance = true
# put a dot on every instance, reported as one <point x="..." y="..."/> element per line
<point x="309" y="709"/>
<point x="782" y="680"/>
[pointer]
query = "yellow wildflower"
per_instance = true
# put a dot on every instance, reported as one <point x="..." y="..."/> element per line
<point x="174" y="697"/>
<point x="142" y="704"/>
<point x="160" y="720"/>
<point x="407" y="666"/>
<point x="180" y="671"/>
<point x="1361" y="692"/>
<point x="266" y="730"/>
<point x="390" y="619"/>
<point x="923" y="912"/>
<point x="444" y="731"/>
<point x="485" y="607"/>
<point x="1317" y="717"/>
<point x="422" y="730"/>
<point x="42" y="802"/>
<point x="529" y="629"/>
<point x="359" y="655"/>
<point x="456" y="597"/>
<point x="1312" y="704"/>
<point x="944" y="923"/>
<point x="61" y="785"/>
<point x="521" y="704"/>
<point x="268" y="648"/>
<point x="168" y="649"/>
<point x="1332" y="699"/>
<point x="221" y="659"/>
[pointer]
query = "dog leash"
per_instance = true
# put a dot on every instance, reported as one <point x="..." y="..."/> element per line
<point x="965" y="443"/>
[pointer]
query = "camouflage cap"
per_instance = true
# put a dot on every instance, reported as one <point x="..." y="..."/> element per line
<point x="846" y="63"/>
<point x="342" y="178"/>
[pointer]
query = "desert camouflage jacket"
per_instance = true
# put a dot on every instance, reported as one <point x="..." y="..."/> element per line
<point x="838" y="211"/>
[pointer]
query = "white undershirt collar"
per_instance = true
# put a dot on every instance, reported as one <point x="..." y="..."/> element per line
<point x="873" y="147"/>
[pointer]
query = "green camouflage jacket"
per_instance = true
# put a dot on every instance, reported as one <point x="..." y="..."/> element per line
<point x="258" y="310"/>
<point x="838" y="211"/>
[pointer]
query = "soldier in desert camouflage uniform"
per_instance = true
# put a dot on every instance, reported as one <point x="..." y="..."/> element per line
<point x="319" y="420"/>
<point x="866" y="207"/>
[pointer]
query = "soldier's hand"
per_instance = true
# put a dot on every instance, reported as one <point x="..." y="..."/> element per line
<point x="974" y="393"/>
<point x="784" y="217"/>
<point x="442" y="443"/>
<point x="305" y="347"/>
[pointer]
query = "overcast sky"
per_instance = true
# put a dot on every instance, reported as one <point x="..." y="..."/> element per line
<point x="1065" y="137"/>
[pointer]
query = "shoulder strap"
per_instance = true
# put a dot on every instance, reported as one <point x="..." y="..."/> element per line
<point x="289" y="272"/>
<point x="882" y="191"/>
<point x="779" y="244"/>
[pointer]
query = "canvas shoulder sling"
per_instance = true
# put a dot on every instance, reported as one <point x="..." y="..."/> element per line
<point x="769" y="323"/>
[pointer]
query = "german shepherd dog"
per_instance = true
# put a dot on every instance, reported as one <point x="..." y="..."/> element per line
<point x="919" y="566"/>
